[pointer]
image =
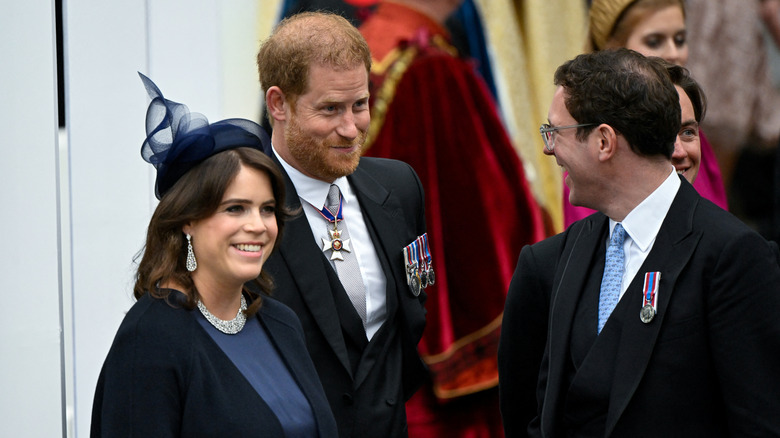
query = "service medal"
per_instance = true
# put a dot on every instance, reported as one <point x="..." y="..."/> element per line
<point x="428" y="261"/>
<point x="415" y="285"/>
<point x="650" y="297"/>
<point x="647" y="314"/>
<point x="422" y="270"/>
<point x="411" y="269"/>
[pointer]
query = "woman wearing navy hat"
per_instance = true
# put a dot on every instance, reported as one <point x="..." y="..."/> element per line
<point x="199" y="354"/>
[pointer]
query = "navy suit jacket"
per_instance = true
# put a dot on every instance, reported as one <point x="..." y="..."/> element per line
<point x="166" y="377"/>
<point x="366" y="384"/>
<point x="707" y="365"/>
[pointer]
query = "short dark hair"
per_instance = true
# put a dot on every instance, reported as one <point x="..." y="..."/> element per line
<point x="195" y="196"/>
<point x="627" y="91"/>
<point x="681" y="77"/>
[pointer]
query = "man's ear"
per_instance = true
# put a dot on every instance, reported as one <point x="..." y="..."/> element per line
<point x="607" y="141"/>
<point x="276" y="103"/>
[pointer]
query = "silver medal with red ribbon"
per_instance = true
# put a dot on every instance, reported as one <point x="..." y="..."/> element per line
<point x="650" y="297"/>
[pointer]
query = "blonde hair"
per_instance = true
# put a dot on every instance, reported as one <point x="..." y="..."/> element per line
<point x="616" y="19"/>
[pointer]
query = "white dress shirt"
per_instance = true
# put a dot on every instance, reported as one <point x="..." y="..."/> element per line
<point x="313" y="193"/>
<point x="642" y="225"/>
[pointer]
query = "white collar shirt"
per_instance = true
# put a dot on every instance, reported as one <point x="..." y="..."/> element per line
<point x="313" y="193"/>
<point x="642" y="225"/>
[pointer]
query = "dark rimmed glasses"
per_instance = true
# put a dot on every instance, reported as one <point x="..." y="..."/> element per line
<point x="547" y="132"/>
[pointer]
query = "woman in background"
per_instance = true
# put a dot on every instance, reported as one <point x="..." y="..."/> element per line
<point x="652" y="28"/>
<point x="686" y="157"/>
<point x="199" y="355"/>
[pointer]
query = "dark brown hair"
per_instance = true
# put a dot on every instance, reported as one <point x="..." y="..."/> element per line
<point x="195" y="196"/>
<point x="682" y="77"/>
<point x="631" y="93"/>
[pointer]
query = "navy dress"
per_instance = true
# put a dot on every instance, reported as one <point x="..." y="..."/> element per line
<point x="169" y="373"/>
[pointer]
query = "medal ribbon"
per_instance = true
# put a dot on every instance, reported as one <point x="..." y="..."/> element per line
<point x="415" y="260"/>
<point x="410" y="265"/>
<point x="650" y="290"/>
<point x="328" y="215"/>
<point x="429" y="264"/>
<point x="427" y="250"/>
<point x="421" y="255"/>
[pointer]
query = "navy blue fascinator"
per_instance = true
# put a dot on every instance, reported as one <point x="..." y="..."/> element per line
<point x="177" y="140"/>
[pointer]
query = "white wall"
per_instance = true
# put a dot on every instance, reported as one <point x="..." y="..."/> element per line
<point x="181" y="45"/>
<point x="66" y="270"/>
<point x="105" y="44"/>
<point x="31" y="385"/>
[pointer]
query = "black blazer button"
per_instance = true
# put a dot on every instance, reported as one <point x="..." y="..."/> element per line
<point x="348" y="398"/>
<point x="390" y="402"/>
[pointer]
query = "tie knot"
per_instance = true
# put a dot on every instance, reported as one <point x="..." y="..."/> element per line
<point x="332" y="201"/>
<point x="618" y="236"/>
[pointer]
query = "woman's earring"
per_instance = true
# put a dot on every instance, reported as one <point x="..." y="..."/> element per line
<point x="192" y="264"/>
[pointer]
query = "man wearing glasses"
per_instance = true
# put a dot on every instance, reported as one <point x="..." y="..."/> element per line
<point x="660" y="309"/>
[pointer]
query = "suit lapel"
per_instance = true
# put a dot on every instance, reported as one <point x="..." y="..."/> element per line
<point x="568" y="285"/>
<point x="302" y="255"/>
<point x="383" y="216"/>
<point x="672" y="250"/>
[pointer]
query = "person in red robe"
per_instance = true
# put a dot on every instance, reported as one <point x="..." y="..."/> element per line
<point x="431" y="109"/>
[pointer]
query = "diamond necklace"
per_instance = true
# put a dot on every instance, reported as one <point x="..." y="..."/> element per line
<point x="229" y="327"/>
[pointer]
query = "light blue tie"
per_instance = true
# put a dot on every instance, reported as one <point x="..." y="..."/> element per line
<point x="613" y="275"/>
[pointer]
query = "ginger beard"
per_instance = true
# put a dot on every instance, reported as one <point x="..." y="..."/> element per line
<point x="317" y="154"/>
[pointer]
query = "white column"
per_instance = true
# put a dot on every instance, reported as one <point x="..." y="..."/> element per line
<point x="110" y="190"/>
<point x="31" y="341"/>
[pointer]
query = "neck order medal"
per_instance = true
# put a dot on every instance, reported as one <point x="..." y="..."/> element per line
<point x="335" y="244"/>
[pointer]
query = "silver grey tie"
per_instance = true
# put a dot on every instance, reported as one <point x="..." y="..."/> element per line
<point x="347" y="269"/>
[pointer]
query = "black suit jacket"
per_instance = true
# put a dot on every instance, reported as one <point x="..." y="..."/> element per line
<point x="166" y="377"/>
<point x="705" y="366"/>
<point x="366" y="383"/>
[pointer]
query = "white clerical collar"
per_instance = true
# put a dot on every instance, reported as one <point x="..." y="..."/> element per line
<point x="644" y="221"/>
<point x="312" y="190"/>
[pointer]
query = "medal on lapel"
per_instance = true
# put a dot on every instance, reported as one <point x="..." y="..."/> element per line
<point x="417" y="261"/>
<point x="412" y="270"/>
<point x="650" y="297"/>
<point x="422" y="263"/>
<point x="335" y="243"/>
<point x="428" y="263"/>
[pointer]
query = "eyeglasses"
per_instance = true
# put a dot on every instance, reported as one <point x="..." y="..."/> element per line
<point x="547" y="133"/>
